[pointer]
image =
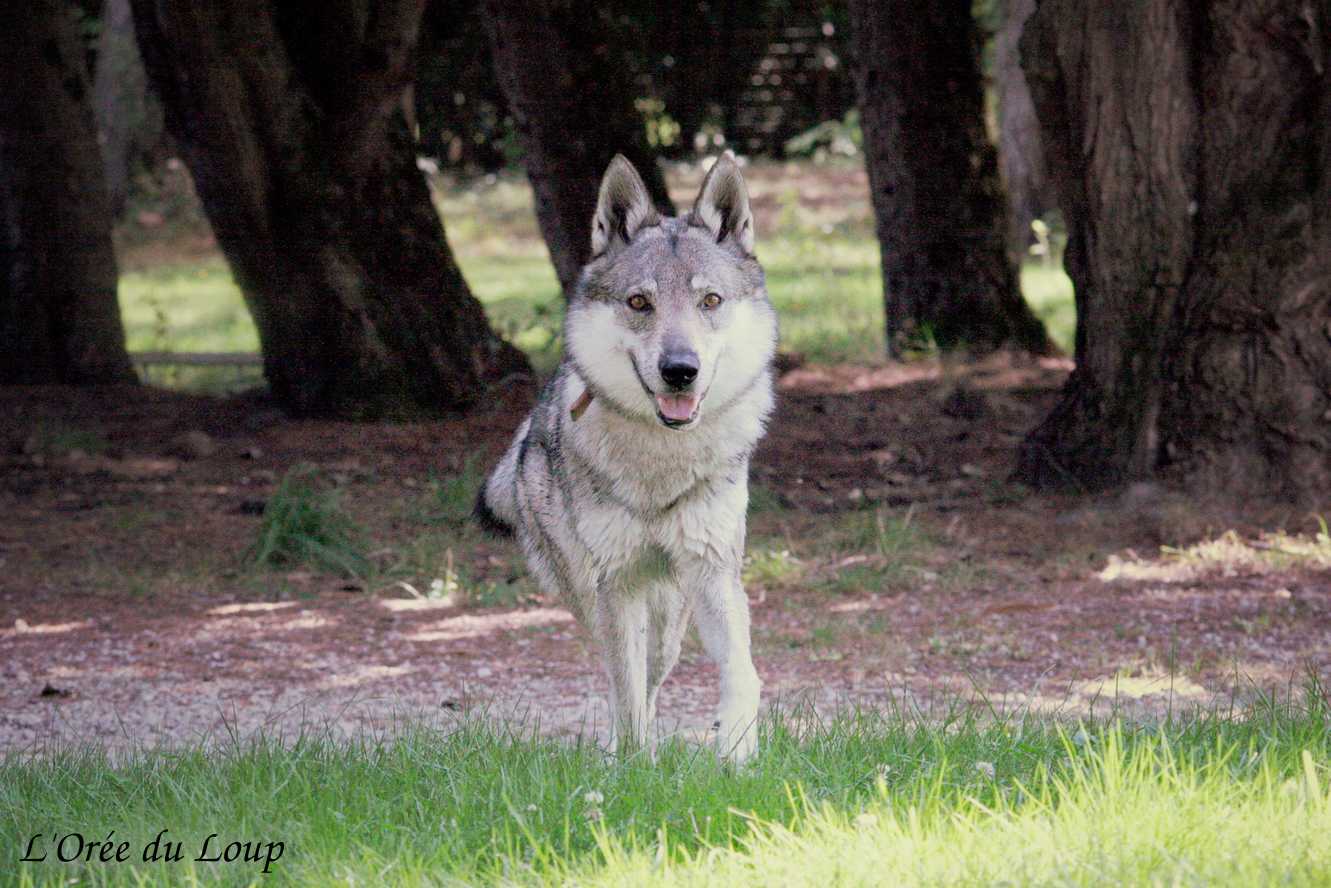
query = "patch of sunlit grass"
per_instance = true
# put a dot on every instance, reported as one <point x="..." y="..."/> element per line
<point x="1227" y="555"/>
<point x="1048" y="291"/>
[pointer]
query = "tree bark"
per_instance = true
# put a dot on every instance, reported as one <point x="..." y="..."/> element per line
<point x="129" y="122"/>
<point x="574" y="111"/>
<point x="938" y="202"/>
<point x="59" y="318"/>
<point x="1020" y="154"/>
<point x="288" y="115"/>
<point x="1191" y="147"/>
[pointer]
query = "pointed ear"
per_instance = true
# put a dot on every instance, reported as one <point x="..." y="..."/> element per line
<point x="723" y="204"/>
<point x="623" y="207"/>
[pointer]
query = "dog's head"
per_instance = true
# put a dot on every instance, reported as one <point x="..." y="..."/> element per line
<point x="670" y="318"/>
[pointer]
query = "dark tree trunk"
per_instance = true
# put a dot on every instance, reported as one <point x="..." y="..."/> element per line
<point x="1191" y="146"/>
<point x="933" y="174"/>
<point x="289" y="117"/>
<point x="574" y="111"/>
<point x="1020" y="154"/>
<point x="59" y="318"/>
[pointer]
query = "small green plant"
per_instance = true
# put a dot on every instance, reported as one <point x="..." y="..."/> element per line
<point x="859" y="579"/>
<point x="763" y="499"/>
<point x="882" y="534"/>
<point x="772" y="568"/>
<point x="882" y="549"/>
<point x="826" y="636"/>
<point x="60" y="440"/>
<point x="500" y="593"/>
<point x="426" y="567"/>
<point x="304" y="524"/>
<point x="920" y="342"/>
<point x="449" y="499"/>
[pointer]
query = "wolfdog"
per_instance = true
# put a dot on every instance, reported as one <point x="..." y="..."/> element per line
<point x="627" y="486"/>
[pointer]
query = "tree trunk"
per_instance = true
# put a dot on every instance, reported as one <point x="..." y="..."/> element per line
<point x="129" y="122"/>
<point x="1191" y="147"/>
<point x="574" y="111"/>
<point x="289" y="117"/>
<point x="59" y="318"/>
<point x="1020" y="154"/>
<point x="937" y="199"/>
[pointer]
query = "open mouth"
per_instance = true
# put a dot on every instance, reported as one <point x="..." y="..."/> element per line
<point x="678" y="410"/>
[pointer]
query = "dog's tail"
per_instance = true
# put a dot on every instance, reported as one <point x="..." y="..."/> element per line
<point x="486" y="517"/>
<point x="496" y="508"/>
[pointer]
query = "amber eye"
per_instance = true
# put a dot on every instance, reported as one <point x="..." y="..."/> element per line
<point x="711" y="300"/>
<point x="639" y="302"/>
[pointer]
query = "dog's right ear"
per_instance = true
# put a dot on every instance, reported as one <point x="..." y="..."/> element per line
<point x="624" y="207"/>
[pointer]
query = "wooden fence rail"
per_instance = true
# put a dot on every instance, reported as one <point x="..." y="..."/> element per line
<point x="163" y="368"/>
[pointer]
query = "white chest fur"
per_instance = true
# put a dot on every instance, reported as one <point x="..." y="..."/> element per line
<point x="684" y="491"/>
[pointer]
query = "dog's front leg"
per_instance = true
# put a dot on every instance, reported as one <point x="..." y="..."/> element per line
<point x="621" y="618"/>
<point x="668" y="609"/>
<point x="722" y="618"/>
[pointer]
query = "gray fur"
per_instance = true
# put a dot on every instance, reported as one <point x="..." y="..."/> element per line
<point x="635" y="519"/>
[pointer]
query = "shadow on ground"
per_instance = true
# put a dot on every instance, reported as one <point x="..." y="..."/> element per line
<point x="890" y="557"/>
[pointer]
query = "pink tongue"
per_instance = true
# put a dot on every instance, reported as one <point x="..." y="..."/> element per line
<point x="677" y="407"/>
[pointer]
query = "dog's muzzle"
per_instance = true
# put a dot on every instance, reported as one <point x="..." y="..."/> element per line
<point x="679" y="368"/>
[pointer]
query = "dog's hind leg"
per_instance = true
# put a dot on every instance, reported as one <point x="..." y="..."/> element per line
<point x="722" y="618"/>
<point x="621" y="626"/>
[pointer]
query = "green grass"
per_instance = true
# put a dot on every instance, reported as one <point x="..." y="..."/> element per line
<point x="958" y="797"/>
<point x="1048" y="290"/>
<point x="449" y="499"/>
<point x="60" y="440"/>
<point x="771" y="567"/>
<point x="823" y="277"/>
<point x="304" y="525"/>
<point x="881" y="550"/>
<point x="185" y="308"/>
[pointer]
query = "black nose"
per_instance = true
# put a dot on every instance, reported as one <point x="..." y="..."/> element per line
<point x="679" y="368"/>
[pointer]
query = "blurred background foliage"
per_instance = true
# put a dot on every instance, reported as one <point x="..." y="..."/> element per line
<point x="751" y="75"/>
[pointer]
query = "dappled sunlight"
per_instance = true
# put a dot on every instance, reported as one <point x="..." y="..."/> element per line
<point x="363" y="674"/>
<point x="1142" y="685"/>
<point x="416" y="605"/>
<point x="476" y="625"/>
<point x="22" y="627"/>
<point x="260" y="619"/>
<point x="250" y="607"/>
<point x="102" y="671"/>
<point x="997" y="372"/>
<point x="1228" y="555"/>
<point x="307" y="621"/>
<point x="862" y="606"/>
<point x="851" y="378"/>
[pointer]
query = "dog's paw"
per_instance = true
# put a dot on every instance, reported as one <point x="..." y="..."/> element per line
<point x="736" y="742"/>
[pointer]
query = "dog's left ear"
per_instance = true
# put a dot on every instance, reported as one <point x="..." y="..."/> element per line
<point x="723" y="204"/>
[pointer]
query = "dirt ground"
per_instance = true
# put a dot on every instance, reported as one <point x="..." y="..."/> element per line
<point x="128" y="613"/>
